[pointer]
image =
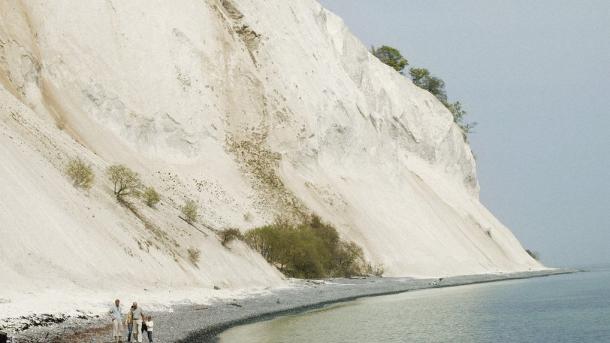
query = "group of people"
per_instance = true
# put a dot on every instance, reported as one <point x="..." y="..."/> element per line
<point x="137" y="323"/>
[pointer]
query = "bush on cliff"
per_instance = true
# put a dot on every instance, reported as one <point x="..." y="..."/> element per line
<point x="151" y="196"/>
<point x="308" y="250"/>
<point x="190" y="211"/>
<point x="125" y="182"/>
<point x="81" y="173"/>
<point x="390" y="56"/>
<point x="228" y="235"/>
<point x="422" y="78"/>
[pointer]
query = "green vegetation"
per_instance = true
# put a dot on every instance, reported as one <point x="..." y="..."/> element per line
<point x="228" y="235"/>
<point x="377" y="270"/>
<point x="126" y="182"/>
<point x="194" y="255"/>
<point x="422" y="78"/>
<point x="81" y="173"/>
<point x="391" y="57"/>
<point x="190" y="211"/>
<point x="151" y="196"/>
<point x="309" y="250"/>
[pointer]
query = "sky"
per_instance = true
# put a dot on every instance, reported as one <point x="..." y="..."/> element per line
<point x="535" y="75"/>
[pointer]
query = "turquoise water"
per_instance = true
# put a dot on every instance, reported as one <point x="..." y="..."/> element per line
<point x="565" y="308"/>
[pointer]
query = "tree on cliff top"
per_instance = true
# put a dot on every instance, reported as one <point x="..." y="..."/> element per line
<point x="422" y="78"/>
<point x="391" y="57"/>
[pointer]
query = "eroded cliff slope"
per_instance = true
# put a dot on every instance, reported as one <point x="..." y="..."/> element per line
<point x="253" y="108"/>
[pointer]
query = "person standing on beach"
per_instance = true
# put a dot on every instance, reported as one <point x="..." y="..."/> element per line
<point x="138" y="317"/>
<point x="149" y="328"/>
<point x="129" y="323"/>
<point x="117" y="320"/>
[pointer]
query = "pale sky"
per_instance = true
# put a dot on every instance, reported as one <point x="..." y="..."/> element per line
<point x="535" y="75"/>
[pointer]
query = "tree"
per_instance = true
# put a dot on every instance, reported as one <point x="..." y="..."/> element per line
<point x="190" y="212"/>
<point x="422" y="78"/>
<point x="436" y="86"/>
<point x="151" y="196"/>
<point x="458" y="117"/>
<point x="418" y="75"/>
<point x="126" y="182"/>
<point x="81" y="173"/>
<point x="311" y="249"/>
<point x="391" y="57"/>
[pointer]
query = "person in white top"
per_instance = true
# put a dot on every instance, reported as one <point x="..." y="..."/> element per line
<point x="117" y="319"/>
<point x="138" y="317"/>
<point x="149" y="328"/>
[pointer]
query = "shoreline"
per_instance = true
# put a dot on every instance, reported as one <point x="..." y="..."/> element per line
<point x="203" y="323"/>
<point x="210" y="334"/>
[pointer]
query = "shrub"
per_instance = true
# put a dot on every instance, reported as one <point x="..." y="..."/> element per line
<point x="126" y="182"/>
<point x="390" y="56"/>
<point x="533" y="254"/>
<point x="194" y="255"/>
<point x="458" y="117"/>
<point x="418" y="76"/>
<point x="308" y="250"/>
<point x="81" y="173"/>
<point x="228" y="235"/>
<point x="190" y="212"/>
<point x="151" y="196"/>
<point x="348" y="259"/>
<point x="422" y="78"/>
<point x="376" y="270"/>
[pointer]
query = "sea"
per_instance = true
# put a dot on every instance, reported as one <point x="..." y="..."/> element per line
<point x="563" y="308"/>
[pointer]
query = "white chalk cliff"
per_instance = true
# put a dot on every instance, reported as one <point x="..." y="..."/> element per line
<point x="254" y="108"/>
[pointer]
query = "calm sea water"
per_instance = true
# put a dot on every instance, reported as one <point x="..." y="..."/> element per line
<point x="566" y="308"/>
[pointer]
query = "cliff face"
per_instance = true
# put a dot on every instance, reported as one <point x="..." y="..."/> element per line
<point x="253" y="108"/>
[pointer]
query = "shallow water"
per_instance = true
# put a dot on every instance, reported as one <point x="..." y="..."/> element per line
<point x="565" y="308"/>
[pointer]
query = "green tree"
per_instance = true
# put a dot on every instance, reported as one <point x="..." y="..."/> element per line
<point x="126" y="182"/>
<point x="391" y="57"/>
<point x="309" y="250"/>
<point x="422" y="78"/>
<point x="458" y="117"/>
<point x="418" y="75"/>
